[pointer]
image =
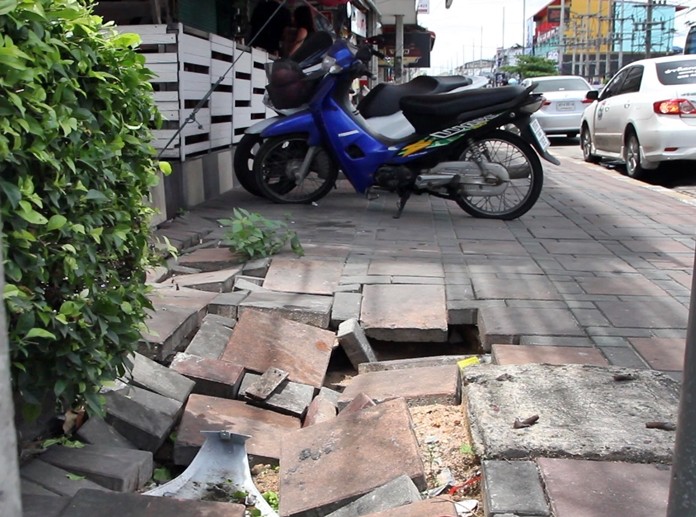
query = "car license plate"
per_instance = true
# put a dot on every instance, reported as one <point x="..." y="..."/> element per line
<point x="565" y="106"/>
<point x="539" y="134"/>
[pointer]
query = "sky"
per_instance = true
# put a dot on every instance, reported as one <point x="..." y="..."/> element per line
<point x="471" y="29"/>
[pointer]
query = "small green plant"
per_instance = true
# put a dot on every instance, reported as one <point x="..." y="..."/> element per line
<point x="64" y="441"/>
<point x="161" y="475"/>
<point x="466" y="449"/>
<point x="272" y="499"/>
<point x="254" y="236"/>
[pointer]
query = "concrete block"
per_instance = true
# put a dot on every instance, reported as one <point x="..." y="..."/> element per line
<point x="304" y="308"/>
<point x="264" y="385"/>
<point x="429" y="508"/>
<point x="321" y="409"/>
<point x="88" y="503"/>
<point x="43" y="506"/>
<point x="29" y="488"/>
<point x="513" y="487"/>
<point x="257" y="267"/>
<point x="123" y="470"/>
<point x="290" y="398"/>
<point x="211" y="259"/>
<point x="148" y="374"/>
<point x="214" y="281"/>
<point x="346" y="306"/>
<point x="405" y="313"/>
<point x="210" y="340"/>
<point x="358" y="403"/>
<point x="419" y="386"/>
<point x="378" y="443"/>
<point x="303" y="275"/>
<point x="262" y="340"/>
<point x="54" y="479"/>
<point x="245" y="284"/>
<point x="354" y="342"/>
<point x="213" y="377"/>
<point x="168" y="330"/>
<point x="144" y="418"/>
<point x="156" y="274"/>
<point x="397" y="492"/>
<point x="583" y="412"/>
<point x="97" y="432"/>
<point x="226" y="304"/>
<point x="202" y="413"/>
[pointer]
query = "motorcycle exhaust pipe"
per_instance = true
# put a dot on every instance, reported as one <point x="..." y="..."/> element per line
<point x="433" y="181"/>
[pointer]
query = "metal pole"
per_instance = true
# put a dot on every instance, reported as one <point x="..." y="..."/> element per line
<point x="682" y="487"/>
<point x="561" y="39"/>
<point x="10" y="502"/>
<point x="648" y="29"/>
<point x="399" y="50"/>
<point x="599" y="39"/>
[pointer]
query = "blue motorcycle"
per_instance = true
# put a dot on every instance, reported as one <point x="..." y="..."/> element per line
<point x="454" y="147"/>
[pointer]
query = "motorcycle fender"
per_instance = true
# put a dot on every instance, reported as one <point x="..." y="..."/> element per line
<point x="302" y="122"/>
<point x="258" y="128"/>
<point x="528" y="135"/>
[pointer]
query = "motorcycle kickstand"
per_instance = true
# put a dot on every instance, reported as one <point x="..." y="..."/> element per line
<point x="401" y="204"/>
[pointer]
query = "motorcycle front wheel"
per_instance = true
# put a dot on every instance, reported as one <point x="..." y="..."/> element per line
<point x="244" y="155"/>
<point x="277" y="166"/>
<point x="525" y="171"/>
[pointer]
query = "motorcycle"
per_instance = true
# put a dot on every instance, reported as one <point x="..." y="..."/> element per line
<point x="379" y="107"/>
<point x="456" y="151"/>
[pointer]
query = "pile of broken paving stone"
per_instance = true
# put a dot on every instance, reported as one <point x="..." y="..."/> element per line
<point x="252" y="360"/>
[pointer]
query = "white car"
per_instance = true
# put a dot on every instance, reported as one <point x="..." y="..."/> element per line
<point x="565" y="101"/>
<point x="644" y="116"/>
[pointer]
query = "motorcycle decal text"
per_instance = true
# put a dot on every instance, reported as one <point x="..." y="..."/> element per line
<point x="446" y="136"/>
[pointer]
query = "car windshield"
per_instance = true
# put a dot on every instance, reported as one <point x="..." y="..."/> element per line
<point x="677" y="72"/>
<point x="561" y="84"/>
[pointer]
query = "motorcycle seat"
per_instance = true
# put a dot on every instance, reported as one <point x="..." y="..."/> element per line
<point x="430" y="112"/>
<point x="384" y="98"/>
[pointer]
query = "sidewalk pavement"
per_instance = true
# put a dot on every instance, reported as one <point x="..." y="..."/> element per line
<point x="598" y="272"/>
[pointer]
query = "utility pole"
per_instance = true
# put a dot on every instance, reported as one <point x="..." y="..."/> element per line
<point x="561" y="39"/>
<point x="598" y="59"/>
<point x="682" y="497"/>
<point x="648" y="29"/>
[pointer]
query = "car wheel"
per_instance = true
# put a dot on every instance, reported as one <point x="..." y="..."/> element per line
<point x="586" y="145"/>
<point x="632" y="156"/>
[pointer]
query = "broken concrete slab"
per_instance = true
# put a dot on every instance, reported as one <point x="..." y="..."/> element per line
<point x="55" y="479"/>
<point x="358" y="403"/>
<point x="512" y="487"/>
<point x="211" y="338"/>
<point x="29" y="488"/>
<point x="290" y="398"/>
<point x="255" y="280"/>
<point x="304" y="308"/>
<point x="213" y="377"/>
<point x="148" y="374"/>
<point x="351" y="337"/>
<point x="257" y="267"/>
<point x="156" y="274"/>
<point x="397" y="492"/>
<point x="144" y="418"/>
<point x="304" y="276"/>
<point x="419" y="386"/>
<point x="378" y="443"/>
<point x="167" y="328"/>
<point x="392" y="267"/>
<point x="211" y="259"/>
<point x="123" y="470"/>
<point x="244" y="284"/>
<point x="215" y="414"/>
<point x="213" y="281"/>
<point x="43" y="506"/>
<point x="583" y="412"/>
<point x="405" y="313"/>
<point x="321" y="409"/>
<point x="168" y="295"/>
<point x="97" y="432"/>
<point x="88" y="503"/>
<point x="524" y="354"/>
<point x="436" y="507"/>
<point x="412" y="362"/>
<point x="262" y="340"/>
<point x="226" y="304"/>
<point x="264" y="385"/>
<point x="346" y="306"/>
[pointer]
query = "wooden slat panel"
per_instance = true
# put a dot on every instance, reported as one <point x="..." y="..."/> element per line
<point x="241" y="118"/>
<point x="168" y="113"/>
<point x="165" y="73"/>
<point x="222" y="45"/>
<point x="143" y="29"/>
<point x="166" y="96"/>
<point x="241" y="89"/>
<point x="202" y="117"/>
<point x="194" y="50"/>
<point x="219" y="68"/>
<point x="221" y="103"/>
<point x="244" y="61"/>
<point x="164" y="57"/>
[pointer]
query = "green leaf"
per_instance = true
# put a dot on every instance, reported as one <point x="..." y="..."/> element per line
<point x="165" y="167"/>
<point x="30" y="215"/>
<point x="7" y="6"/>
<point x="56" y="222"/>
<point x="161" y="475"/>
<point x="74" y="477"/>
<point x="95" y="195"/>
<point x="42" y="333"/>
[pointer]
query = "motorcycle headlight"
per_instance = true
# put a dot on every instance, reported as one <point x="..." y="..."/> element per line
<point x="329" y="65"/>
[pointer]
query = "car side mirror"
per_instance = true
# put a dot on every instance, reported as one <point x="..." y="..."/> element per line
<point x="592" y="95"/>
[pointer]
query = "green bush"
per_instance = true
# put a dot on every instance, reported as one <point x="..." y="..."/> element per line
<point x="254" y="236"/>
<point x="76" y="165"/>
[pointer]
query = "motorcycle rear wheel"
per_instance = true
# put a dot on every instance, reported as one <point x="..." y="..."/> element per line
<point x="277" y="161"/>
<point x="513" y="153"/>
<point x="244" y="155"/>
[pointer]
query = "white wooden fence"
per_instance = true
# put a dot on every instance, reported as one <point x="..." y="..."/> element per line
<point x="186" y="63"/>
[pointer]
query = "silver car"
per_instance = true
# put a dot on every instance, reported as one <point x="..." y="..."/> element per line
<point x="565" y="102"/>
<point x="644" y="116"/>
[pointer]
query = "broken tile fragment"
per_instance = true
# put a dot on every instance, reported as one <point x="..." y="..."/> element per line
<point x="305" y="308"/>
<point x="354" y="342"/>
<point x="262" y="340"/>
<point x="211" y="259"/>
<point x="291" y="398"/>
<point x="263" y="386"/>
<point x="304" y="276"/>
<point x="213" y="281"/>
<point x="213" y="377"/>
